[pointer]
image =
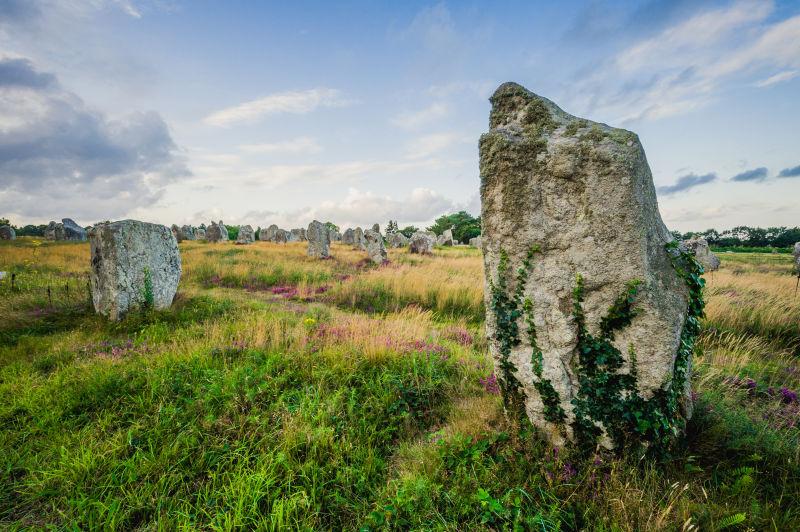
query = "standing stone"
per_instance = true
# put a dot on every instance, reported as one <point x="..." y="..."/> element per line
<point x="446" y="238"/>
<point x="176" y="232"/>
<point x="796" y="254"/>
<point x="421" y="242"/>
<point x="593" y="339"/>
<point x="73" y="231"/>
<point x="134" y="264"/>
<point x="702" y="253"/>
<point x="397" y="240"/>
<point x="217" y="232"/>
<point x="188" y="232"/>
<point x="200" y="233"/>
<point x="7" y="233"/>
<point x="349" y="236"/>
<point x="375" y="247"/>
<point x="299" y="235"/>
<point x="54" y="231"/>
<point x="318" y="240"/>
<point x="376" y="228"/>
<point x="334" y="235"/>
<point x="246" y="235"/>
<point x="358" y="239"/>
<point x="282" y="236"/>
<point x="475" y="242"/>
<point x="268" y="234"/>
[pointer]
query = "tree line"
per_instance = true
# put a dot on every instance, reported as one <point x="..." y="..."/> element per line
<point x="745" y="236"/>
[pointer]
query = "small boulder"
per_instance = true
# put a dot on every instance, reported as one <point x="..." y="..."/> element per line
<point x="318" y="240"/>
<point x="375" y="247"/>
<point x="246" y="235"/>
<point x="133" y="265"/>
<point x="421" y="242"/>
<point x="7" y="233"/>
<point x="475" y="242"/>
<point x="446" y="239"/>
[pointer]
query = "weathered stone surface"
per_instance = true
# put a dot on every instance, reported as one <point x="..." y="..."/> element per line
<point x="397" y="240"/>
<point x="446" y="238"/>
<point x="268" y="234"/>
<point x="7" y="233"/>
<point x="421" y="242"/>
<point x="375" y="246"/>
<point x="564" y="197"/>
<point x="133" y="262"/>
<point x="475" y="242"/>
<point x="796" y="254"/>
<point x="376" y="228"/>
<point x="54" y="231"/>
<point x="349" y="236"/>
<point x="299" y="235"/>
<point x="703" y="254"/>
<point x="176" y="232"/>
<point x="188" y="232"/>
<point x="318" y="240"/>
<point x="358" y="239"/>
<point x="73" y="231"/>
<point x="217" y="232"/>
<point x="246" y="235"/>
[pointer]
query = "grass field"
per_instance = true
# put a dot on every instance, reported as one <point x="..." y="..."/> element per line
<point x="285" y="392"/>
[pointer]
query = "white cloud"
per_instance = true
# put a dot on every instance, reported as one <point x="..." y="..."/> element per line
<point x="780" y="77"/>
<point x="415" y="119"/>
<point x="685" y="66"/>
<point x="365" y="208"/>
<point x="430" y="145"/>
<point x="294" y="102"/>
<point x="294" y="146"/>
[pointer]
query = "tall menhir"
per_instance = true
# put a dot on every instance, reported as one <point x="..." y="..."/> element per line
<point x="592" y="308"/>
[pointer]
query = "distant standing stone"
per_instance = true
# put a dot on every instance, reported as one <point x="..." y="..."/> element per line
<point x="268" y="234"/>
<point x="7" y="233"/>
<point x="375" y="247"/>
<point x="376" y="228"/>
<point x="703" y="254"/>
<point x="282" y="236"/>
<point x="475" y="242"/>
<point x="133" y="262"/>
<point x="349" y="236"/>
<point x="796" y="254"/>
<point x="73" y="231"/>
<point x="299" y="235"/>
<point x="318" y="240"/>
<point x="176" y="232"/>
<point x="217" y="232"/>
<point x="188" y="232"/>
<point x="358" y="239"/>
<point x="446" y="238"/>
<point x="54" y="231"/>
<point x="397" y="240"/>
<point x="421" y="242"/>
<point x="246" y="235"/>
<point x="200" y="233"/>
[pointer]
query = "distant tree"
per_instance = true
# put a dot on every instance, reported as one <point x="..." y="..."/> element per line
<point x="464" y="225"/>
<point x="4" y="221"/>
<point x="233" y="232"/>
<point x="332" y="226"/>
<point x="31" y="230"/>
<point x="258" y="233"/>
<point x="745" y="236"/>
<point x="391" y="227"/>
<point x="408" y="230"/>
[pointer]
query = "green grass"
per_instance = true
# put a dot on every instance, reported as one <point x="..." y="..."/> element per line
<point x="358" y="407"/>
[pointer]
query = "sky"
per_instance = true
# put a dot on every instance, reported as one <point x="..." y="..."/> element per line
<point x="179" y="111"/>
